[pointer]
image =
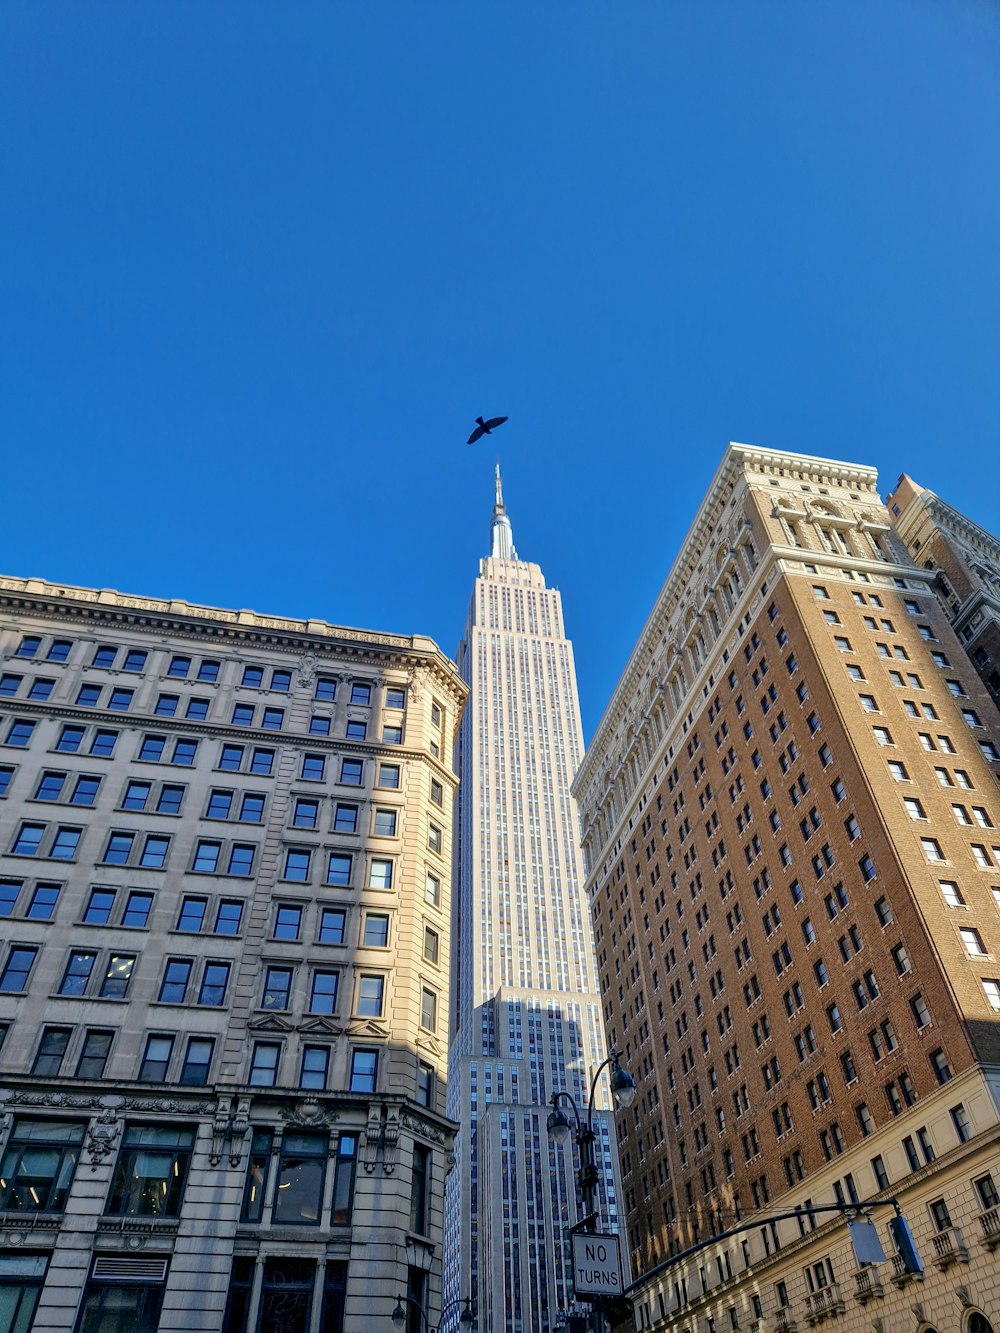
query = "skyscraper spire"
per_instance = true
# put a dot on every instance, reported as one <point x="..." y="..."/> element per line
<point x="501" y="533"/>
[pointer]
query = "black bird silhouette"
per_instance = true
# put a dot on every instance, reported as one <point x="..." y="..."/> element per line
<point x="484" y="428"/>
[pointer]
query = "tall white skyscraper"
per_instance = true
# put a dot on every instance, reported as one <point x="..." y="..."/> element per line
<point x="526" y="1018"/>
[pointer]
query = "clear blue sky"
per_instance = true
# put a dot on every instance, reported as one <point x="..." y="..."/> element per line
<point x="263" y="261"/>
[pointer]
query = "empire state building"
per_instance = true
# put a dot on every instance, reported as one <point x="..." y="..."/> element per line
<point x="526" y="1015"/>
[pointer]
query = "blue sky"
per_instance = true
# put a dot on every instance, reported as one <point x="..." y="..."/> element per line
<point x="263" y="261"/>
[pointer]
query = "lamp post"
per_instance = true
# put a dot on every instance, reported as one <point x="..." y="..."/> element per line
<point x="467" y="1319"/>
<point x="561" y="1128"/>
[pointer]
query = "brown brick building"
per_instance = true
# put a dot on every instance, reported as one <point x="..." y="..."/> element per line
<point x="792" y="833"/>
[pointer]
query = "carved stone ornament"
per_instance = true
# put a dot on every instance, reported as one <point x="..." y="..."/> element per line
<point x="307" y="670"/>
<point x="390" y="1139"/>
<point x="421" y="1127"/>
<point x="102" y="1134"/>
<point x="309" y="1113"/>
<point x="373" y="1137"/>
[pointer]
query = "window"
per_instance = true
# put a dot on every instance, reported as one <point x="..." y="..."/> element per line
<point x="921" y="1014"/>
<point x="277" y="988"/>
<point x="991" y="986"/>
<point x="428" y="1009"/>
<point x="94" y="1053"/>
<point x="273" y="719"/>
<point x="939" y="1063"/>
<point x="261" y="760"/>
<point x="103" y="744"/>
<point x="253" y="677"/>
<point x="154" y="851"/>
<point x="206" y="857"/>
<point x="119" y="848"/>
<point x="287" y="921"/>
<point x="305" y="813"/>
<point x="77" y="974"/>
<point x="345" y="818"/>
<point x="70" y="739"/>
<point x="208" y="671"/>
<point x="41" y="688"/>
<point x="425" y="1084"/>
<point x="315" y="1067"/>
<point x="356" y="731"/>
<point x="989" y="1196"/>
<point x="352" y="772"/>
<point x="332" y="925"/>
<point x="214" y="983"/>
<point x="185" y="752"/>
<point x="434" y="840"/>
<point x="152" y="748"/>
<point x="114" y="986"/>
<point x="151" y="1173"/>
<point x="432" y="890"/>
<point x="951" y="893"/>
<point x="431" y="945"/>
<point x="121" y="700"/>
<point x="323" y="994"/>
<point x="28" y="840"/>
<point x="220" y="804"/>
<point x="257" y="1169"/>
<point x="156" y="1059"/>
<point x="229" y="917"/>
<point x="105" y="655"/>
<point x="395" y="697"/>
<point x="231" y="758"/>
<point x="59" y="650"/>
<point x="264" y="1064"/>
<point x="319" y="726"/>
<point x="380" y="874"/>
<point x="347" y="1152"/>
<point x="6" y="773"/>
<point x="50" y="786"/>
<point x="388" y="776"/>
<point x="385" y="823"/>
<point x="197" y="1061"/>
<point x="281" y="681"/>
<point x="376" y="935"/>
<point x="902" y="960"/>
<point x="179" y="667"/>
<point x="43" y="902"/>
<point x="37" y="1172"/>
<point x="371" y="990"/>
<point x="364" y="1070"/>
<point x="243" y="715"/>
<point x="973" y="942"/>
<point x="176" y="975"/>
<point x="338" y="869"/>
<point x="297" y="862"/>
<point x="326" y="689"/>
<point x="85" y="790"/>
<point x="51" y="1049"/>
<point x="20" y="731"/>
<point x="392" y="733"/>
<point x="88" y="696"/>
<point x="437" y="792"/>
<point x="361" y="693"/>
<point x="420" y="1188"/>
<point x="192" y="915"/>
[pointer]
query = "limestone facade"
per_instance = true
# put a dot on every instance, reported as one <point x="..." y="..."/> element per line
<point x="225" y="852"/>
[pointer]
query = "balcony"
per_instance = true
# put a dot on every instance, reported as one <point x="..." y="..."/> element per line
<point x="824" y="1304"/>
<point x="867" y="1285"/>
<point x="949" y="1248"/>
<point x="989" y="1224"/>
<point x="899" y="1274"/>
<point x="784" y="1322"/>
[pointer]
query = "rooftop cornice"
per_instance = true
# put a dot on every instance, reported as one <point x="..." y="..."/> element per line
<point x="737" y="461"/>
<point x="192" y="620"/>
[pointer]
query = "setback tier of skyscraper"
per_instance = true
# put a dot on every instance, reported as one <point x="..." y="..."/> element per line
<point x="526" y="1013"/>
<point x="792" y="839"/>
<point x="225" y="865"/>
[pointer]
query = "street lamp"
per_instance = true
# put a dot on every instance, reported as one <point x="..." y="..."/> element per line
<point x="561" y="1128"/>
<point x="466" y="1318"/>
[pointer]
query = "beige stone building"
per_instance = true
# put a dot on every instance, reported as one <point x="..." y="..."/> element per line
<point x="225" y="850"/>
<point x="792" y="837"/>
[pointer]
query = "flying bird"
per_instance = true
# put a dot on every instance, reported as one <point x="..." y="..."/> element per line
<point x="484" y="428"/>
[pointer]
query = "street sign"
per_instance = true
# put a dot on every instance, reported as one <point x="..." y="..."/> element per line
<point x="597" y="1265"/>
<point x="867" y="1244"/>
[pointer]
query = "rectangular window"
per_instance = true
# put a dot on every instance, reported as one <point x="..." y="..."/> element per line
<point x="214" y="983"/>
<point x="264" y="1064"/>
<point x="20" y="731"/>
<point x="156" y="1059"/>
<point x="338" y="870"/>
<point x="388" y="776"/>
<point x="385" y="823"/>
<point x="315" y="1067"/>
<point x="364" y="1070"/>
<point x="323" y="994"/>
<point x="185" y="753"/>
<point x="51" y="1049"/>
<point x="380" y="874"/>
<point x="332" y="925"/>
<point x="94" y="1053"/>
<point x="343" y="1179"/>
<point x="77" y="974"/>
<point x="351" y="772"/>
<point x="103" y="744"/>
<point x="277" y="988"/>
<point x="376" y="933"/>
<point x="297" y="862"/>
<point x="35" y="1176"/>
<point x="206" y="857"/>
<point x="197" y="1062"/>
<point x="313" y="767"/>
<point x="428" y="1010"/>
<point x="371" y="991"/>
<point x="176" y="975"/>
<point x="151" y="1173"/>
<point x="117" y="977"/>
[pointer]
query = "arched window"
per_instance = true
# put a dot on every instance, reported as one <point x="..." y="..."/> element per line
<point x="978" y="1323"/>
